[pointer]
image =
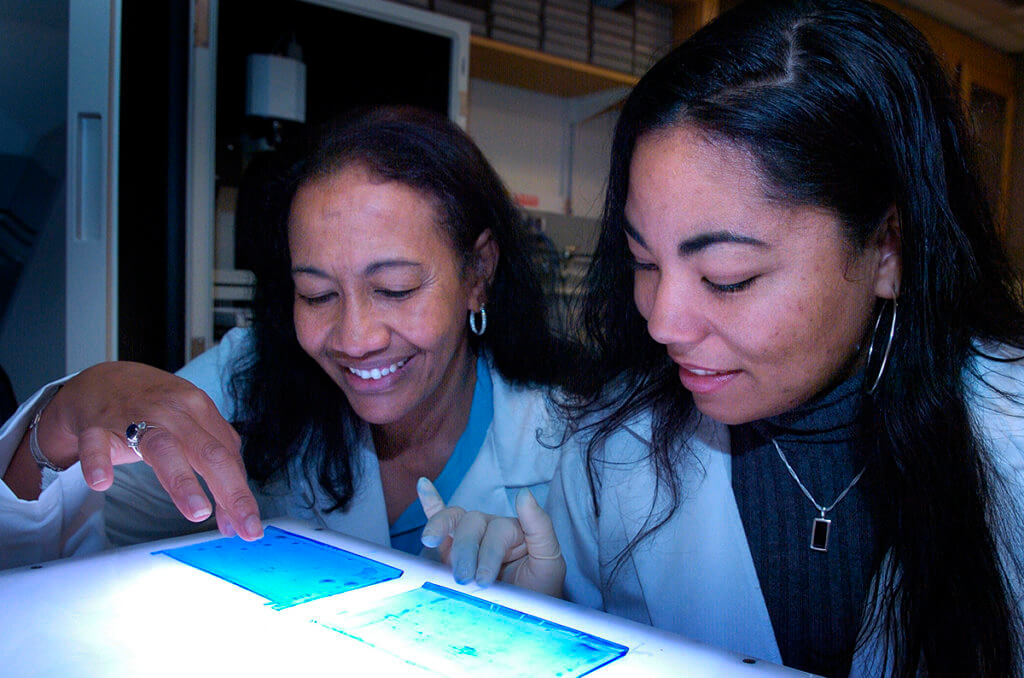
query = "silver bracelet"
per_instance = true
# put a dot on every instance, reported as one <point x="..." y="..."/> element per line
<point x="33" y="439"/>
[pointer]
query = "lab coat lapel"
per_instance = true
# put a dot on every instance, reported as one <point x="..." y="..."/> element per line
<point x="701" y="560"/>
<point x="366" y="517"/>
<point x="510" y="458"/>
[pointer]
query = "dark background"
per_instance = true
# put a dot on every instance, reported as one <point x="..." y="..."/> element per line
<point x="350" y="61"/>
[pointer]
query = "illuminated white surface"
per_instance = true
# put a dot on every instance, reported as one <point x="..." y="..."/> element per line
<point x="128" y="612"/>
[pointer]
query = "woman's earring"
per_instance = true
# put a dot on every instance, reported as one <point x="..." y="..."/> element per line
<point x="888" y="344"/>
<point x="478" y="329"/>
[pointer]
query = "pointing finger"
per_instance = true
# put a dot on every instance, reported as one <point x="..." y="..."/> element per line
<point x="224" y="523"/>
<point x="441" y="525"/>
<point x="430" y="498"/>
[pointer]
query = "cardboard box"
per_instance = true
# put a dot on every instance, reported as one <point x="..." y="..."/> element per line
<point x="514" y="12"/>
<point x="531" y="42"/>
<point x="531" y="6"/>
<point x="570" y="49"/>
<point x="568" y="30"/>
<point x="513" y="25"/>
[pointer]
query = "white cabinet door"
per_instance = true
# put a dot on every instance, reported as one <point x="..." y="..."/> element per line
<point x="59" y="79"/>
<point x="92" y="147"/>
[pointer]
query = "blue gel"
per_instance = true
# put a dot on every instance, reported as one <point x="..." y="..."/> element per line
<point x="285" y="568"/>
<point x="453" y="633"/>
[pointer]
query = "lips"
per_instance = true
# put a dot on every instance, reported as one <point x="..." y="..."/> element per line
<point x="703" y="380"/>
<point x="377" y="373"/>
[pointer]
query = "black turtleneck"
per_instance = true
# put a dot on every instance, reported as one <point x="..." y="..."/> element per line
<point x="815" y="599"/>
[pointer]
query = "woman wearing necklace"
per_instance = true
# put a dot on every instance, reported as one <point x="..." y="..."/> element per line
<point x="800" y="433"/>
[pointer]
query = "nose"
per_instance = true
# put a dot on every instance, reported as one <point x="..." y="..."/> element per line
<point x="674" y="316"/>
<point x="358" y="330"/>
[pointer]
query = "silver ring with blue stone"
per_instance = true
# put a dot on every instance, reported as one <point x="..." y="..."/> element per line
<point x="133" y="434"/>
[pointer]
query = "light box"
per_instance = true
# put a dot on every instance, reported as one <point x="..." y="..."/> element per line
<point x="304" y="601"/>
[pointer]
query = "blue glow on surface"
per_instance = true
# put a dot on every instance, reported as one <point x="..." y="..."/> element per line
<point x="285" y="568"/>
<point x="457" y="634"/>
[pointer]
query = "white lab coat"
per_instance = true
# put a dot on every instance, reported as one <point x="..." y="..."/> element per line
<point x="695" y="575"/>
<point x="70" y="519"/>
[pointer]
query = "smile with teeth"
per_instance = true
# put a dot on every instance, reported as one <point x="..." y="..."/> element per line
<point x="706" y="373"/>
<point x="378" y="373"/>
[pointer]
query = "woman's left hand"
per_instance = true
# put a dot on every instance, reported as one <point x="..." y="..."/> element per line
<point x="484" y="547"/>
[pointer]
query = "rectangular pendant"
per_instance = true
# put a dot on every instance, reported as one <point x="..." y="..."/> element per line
<point x="819" y="534"/>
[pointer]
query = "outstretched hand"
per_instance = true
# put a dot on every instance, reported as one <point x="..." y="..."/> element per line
<point x="478" y="546"/>
<point x="186" y="435"/>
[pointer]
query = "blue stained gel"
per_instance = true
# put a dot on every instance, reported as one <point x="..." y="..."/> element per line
<point x="283" y="567"/>
<point x="450" y="632"/>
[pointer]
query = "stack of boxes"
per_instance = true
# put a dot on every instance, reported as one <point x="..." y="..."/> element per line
<point x="566" y="28"/>
<point x="653" y="34"/>
<point x="628" y="38"/>
<point x="473" y="11"/>
<point x="516" y="22"/>
<point x="612" y="39"/>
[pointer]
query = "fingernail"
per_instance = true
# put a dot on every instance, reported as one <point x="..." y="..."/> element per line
<point x="484" y="577"/>
<point x="253" y="527"/>
<point x="97" y="477"/>
<point x="463" y="575"/>
<point x="430" y="540"/>
<point x="525" y="495"/>
<point x="200" y="509"/>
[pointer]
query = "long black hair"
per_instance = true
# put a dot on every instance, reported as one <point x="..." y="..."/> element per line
<point x="844" y="106"/>
<point x="289" y="407"/>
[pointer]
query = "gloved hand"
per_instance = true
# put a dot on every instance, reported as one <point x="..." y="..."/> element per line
<point x="478" y="546"/>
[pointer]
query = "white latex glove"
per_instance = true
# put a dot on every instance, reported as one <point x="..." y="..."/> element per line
<point x="478" y="546"/>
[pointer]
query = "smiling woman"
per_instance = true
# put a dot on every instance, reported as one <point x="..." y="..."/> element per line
<point x="381" y="299"/>
<point x="799" y="427"/>
<point x="400" y="332"/>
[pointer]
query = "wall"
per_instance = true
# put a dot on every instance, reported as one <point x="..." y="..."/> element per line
<point x="33" y="77"/>
<point x="33" y="57"/>
<point x="525" y="135"/>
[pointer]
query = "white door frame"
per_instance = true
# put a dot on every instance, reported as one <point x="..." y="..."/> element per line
<point x="94" y="57"/>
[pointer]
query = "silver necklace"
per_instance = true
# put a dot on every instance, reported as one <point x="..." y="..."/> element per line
<point x="821" y="527"/>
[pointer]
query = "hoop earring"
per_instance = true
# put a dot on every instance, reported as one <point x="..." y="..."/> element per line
<point x="478" y="331"/>
<point x="888" y="345"/>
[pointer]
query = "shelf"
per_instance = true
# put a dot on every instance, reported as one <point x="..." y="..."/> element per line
<point x="506" y="64"/>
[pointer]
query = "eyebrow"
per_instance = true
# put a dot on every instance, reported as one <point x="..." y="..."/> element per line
<point x="700" y="242"/>
<point x="632" y="233"/>
<point x="705" y="240"/>
<point x="369" y="270"/>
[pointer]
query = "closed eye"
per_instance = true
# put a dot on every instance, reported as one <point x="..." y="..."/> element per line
<point x="730" y="288"/>
<point x="637" y="265"/>
<point x="396" y="294"/>
<point x="318" y="299"/>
